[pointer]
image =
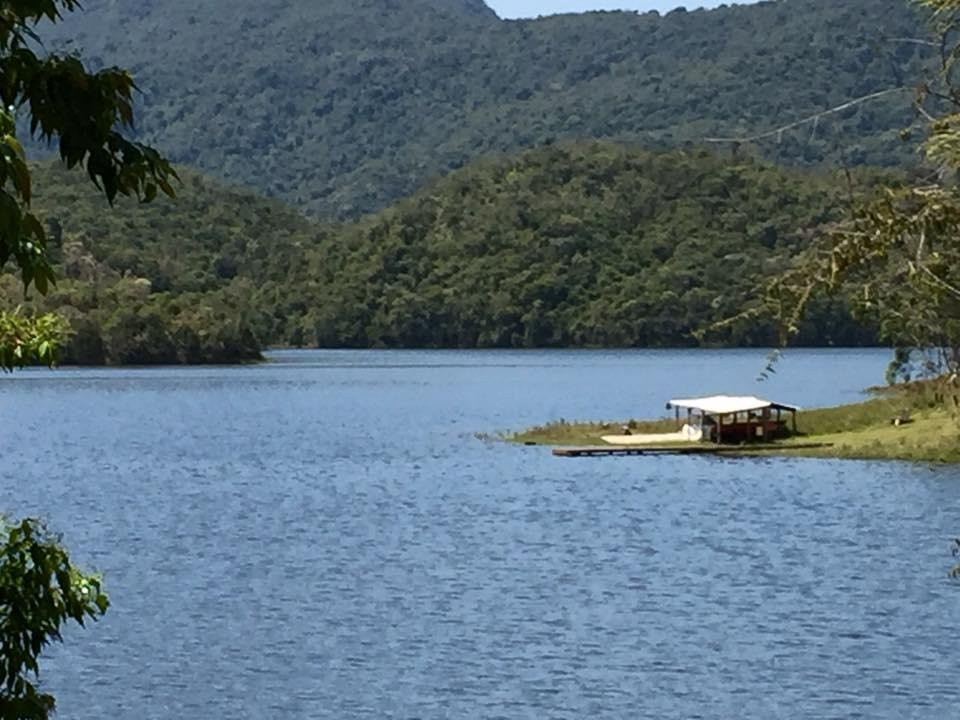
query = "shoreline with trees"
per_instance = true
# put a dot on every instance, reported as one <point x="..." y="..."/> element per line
<point x="565" y="246"/>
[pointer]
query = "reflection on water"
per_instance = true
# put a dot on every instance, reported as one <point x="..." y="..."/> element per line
<point x="322" y="536"/>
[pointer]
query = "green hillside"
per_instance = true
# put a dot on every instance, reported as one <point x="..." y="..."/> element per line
<point x="187" y="281"/>
<point x="591" y="245"/>
<point x="564" y="246"/>
<point x="341" y="107"/>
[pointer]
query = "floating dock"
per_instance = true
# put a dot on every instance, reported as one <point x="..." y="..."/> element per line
<point x="624" y="451"/>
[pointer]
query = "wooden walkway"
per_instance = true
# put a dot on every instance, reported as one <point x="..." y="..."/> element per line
<point x="626" y="450"/>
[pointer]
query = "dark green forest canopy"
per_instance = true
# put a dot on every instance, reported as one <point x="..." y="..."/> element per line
<point x="170" y="282"/>
<point x="343" y="106"/>
<point x="584" y="245"/>
<point x="591" y="245"/>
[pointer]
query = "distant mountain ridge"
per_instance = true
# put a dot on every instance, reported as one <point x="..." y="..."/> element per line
<point x="342" y="107"/>
<point x="474" y="6"/>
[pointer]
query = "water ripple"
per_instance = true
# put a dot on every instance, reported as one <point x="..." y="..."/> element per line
<point x="318" y="538"/>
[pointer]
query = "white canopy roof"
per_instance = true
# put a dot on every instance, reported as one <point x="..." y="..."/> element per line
<point x="727" y="404"/>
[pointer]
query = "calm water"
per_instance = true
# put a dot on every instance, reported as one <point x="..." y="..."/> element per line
<point x="323" y="537"/>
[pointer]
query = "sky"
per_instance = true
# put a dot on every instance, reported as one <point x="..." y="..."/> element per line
<point x="532" y="8"/>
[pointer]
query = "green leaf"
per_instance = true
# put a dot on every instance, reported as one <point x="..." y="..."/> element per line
<point x="10" y="219"/>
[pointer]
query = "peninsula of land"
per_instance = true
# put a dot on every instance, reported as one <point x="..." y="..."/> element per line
<point x="895" y="425"/>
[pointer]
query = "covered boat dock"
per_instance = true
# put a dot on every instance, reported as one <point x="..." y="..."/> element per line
<point x="737" y="418"/>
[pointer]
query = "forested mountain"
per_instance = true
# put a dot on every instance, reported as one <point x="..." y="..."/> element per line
<point x="582" y="245"/>
<point x="579" y="246"/>
<point x="186" y="281"/>
<point x="342" y="106"/>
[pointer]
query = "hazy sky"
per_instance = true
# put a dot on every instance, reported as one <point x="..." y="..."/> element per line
<point x="532" y="8"/>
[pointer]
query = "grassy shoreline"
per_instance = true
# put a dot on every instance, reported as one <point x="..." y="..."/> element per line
<point x="862" y="431"/>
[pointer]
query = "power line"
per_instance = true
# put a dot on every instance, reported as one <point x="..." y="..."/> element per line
<point x="778" y="132"/>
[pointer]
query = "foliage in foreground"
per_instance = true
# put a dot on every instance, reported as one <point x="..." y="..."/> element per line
<point x="40" y="592"/>
<point x="89" y="115"/>
<point x="897" y="254"/>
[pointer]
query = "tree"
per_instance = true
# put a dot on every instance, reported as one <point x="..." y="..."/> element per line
<point x="40" y="589"/>
<point x="86" y="113"/>
<point x="896" y="254"/>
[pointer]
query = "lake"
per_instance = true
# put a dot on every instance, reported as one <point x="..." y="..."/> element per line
<point x="324" y="536"/>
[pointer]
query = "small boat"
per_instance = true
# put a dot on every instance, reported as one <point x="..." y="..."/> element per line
<point x="686" y="434"/>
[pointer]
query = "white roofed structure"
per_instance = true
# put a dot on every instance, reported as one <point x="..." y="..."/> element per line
<point x="727" y="404"/>
<point x="736" y="418"/>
